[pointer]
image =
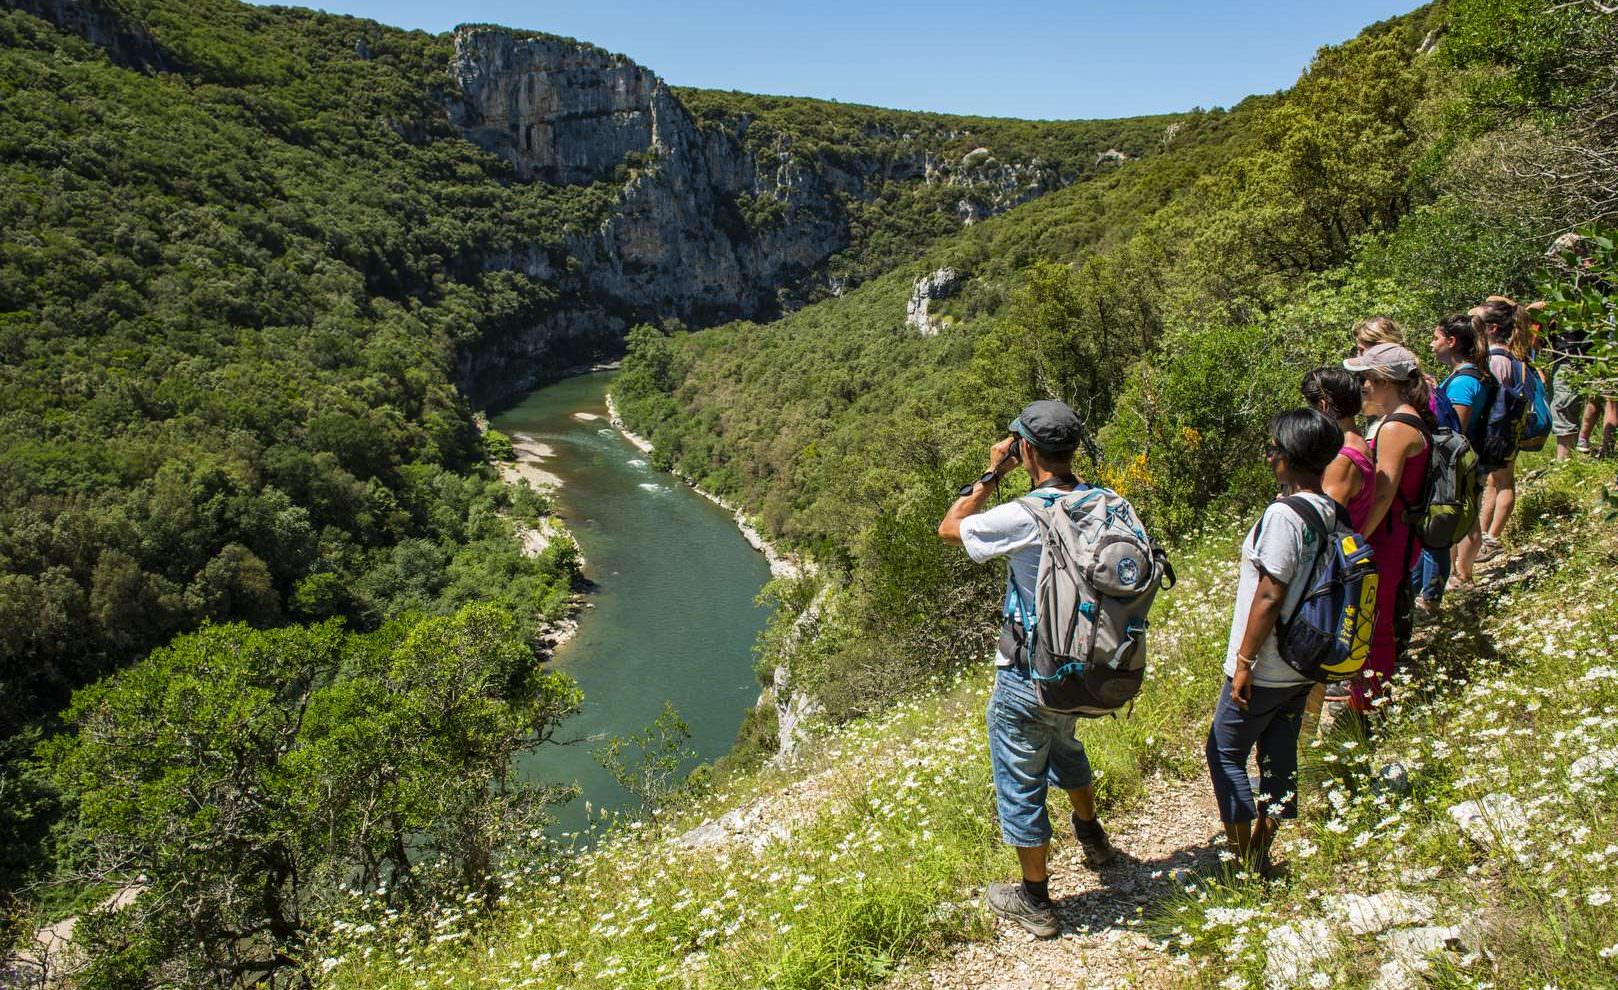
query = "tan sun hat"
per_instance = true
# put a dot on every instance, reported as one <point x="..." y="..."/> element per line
<point x="1389" y="361"/>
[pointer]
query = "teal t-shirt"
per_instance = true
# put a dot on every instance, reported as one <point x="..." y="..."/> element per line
<point x="1463" y="390"/>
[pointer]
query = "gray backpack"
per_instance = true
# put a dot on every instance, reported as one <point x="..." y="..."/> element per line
<point x="1084" y="640"/>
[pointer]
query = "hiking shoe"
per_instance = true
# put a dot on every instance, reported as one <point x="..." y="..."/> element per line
<point x="1425" y="613"/>
<point x="1011" y="902"/>
<point x="1098" y="852"/>
<point x="1491" y="549"/>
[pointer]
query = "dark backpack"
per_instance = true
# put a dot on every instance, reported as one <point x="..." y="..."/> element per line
<point x="1450" y="493"/>
<point x="1502" y="430"/>
<point x="1448" y="418"/>
<point x="1328" y="634"/>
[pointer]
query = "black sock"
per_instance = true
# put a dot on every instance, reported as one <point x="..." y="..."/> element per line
<point x="1039" y="891"/>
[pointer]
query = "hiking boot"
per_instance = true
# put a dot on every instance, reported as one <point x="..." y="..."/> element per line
<point x="1098" y="852"/>
<point x="1491" y="549"/>
<point x="1011" y="902"/>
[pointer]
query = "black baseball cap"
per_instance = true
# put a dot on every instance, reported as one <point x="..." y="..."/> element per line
<point x="1049" y="425"/>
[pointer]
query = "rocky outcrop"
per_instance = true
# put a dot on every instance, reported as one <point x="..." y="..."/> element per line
<point x="991" y="186"/>
<point x="941" y="284"/>
<point x="712" y="223"/>
<point x="560" y="112"/>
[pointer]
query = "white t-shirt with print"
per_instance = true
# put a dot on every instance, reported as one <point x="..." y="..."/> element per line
<point x="1283" y="546"/>
<point x="1007" y="530"/>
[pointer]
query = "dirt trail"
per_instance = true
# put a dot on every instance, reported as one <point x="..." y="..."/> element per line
<point x="1171" y="831"/>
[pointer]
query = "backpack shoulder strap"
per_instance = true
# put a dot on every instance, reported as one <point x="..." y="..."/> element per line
<point x="1470" y="371"/>
<point x="1413" y="421"/>
<point x="1309" y="514"/>
<point x="1305" y="510"/>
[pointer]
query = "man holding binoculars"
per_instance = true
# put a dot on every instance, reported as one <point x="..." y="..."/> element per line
<point x="1030" y="747"/>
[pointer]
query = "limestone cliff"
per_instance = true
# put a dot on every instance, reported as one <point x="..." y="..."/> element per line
<point x="711" y="223"/>
<point x="676" y="245"/>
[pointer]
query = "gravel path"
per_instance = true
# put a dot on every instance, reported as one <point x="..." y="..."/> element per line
<point x="1172" y="830"/>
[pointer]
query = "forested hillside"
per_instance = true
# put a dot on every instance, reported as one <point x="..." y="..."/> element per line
<point x="256" y="275"/>
<point x="1410" y="172"/>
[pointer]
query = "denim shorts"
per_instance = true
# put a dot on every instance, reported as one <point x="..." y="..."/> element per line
<point x="1031" y="749"/>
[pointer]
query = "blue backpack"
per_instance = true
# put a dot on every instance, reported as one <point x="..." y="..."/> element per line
<point x="1328" y="634"/>
<point x="1537" y="423"/>
<point x="1503" y="426"/>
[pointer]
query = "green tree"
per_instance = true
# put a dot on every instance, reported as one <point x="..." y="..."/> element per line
<point x="498" y="446"/>
<point x="645" y="763"/>
<point x="250" y="774"/>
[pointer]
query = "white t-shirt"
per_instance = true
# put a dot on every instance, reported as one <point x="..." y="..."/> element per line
<point x="1007" y="530"/>
<point x="1283" y="546"/>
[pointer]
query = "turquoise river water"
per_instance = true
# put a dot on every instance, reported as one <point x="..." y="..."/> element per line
<point x="673" y="616"/>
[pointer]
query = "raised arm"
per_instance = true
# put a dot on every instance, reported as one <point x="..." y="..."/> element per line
<point x="972" y="503"/>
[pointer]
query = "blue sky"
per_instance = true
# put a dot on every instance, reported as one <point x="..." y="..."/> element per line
<point x="1079" y="59"/>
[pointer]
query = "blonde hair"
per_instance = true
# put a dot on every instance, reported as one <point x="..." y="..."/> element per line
<point x="1374" y="330"/>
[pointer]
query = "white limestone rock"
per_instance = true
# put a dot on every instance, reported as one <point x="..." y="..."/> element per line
<point x="1594" y="766"/>
<point x="941" y="284"/>
<point x="1293" y="953"/>
<point x="1410" y="954"/>
<point x="1494" y="821"/>
<point x="1359" y="914"/>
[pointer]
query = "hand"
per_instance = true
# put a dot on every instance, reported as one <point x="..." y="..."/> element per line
<point x="1241" y="686"/>
<point x="998" y="453"/>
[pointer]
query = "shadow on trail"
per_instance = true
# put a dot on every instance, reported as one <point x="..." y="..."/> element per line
<point x="1133" y="883"/>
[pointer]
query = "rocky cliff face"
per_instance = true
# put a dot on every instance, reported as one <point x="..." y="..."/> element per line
<point x="561" y="113"/>
<point x="703" y="231"/>
<point x="709" y="225"/>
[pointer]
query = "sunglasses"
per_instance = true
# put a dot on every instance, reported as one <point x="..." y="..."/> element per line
<point x="1272" y="450"/>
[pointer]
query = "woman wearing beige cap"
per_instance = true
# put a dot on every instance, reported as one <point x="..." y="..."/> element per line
<point x="1394" y="389"/>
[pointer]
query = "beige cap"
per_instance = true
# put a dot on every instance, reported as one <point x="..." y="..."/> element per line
<point x="1388" y="361"/>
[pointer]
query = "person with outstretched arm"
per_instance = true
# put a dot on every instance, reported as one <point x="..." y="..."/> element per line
<point x="1031" y="748"/>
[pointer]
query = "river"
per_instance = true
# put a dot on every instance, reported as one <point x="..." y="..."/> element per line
<point x="673" y="617"/>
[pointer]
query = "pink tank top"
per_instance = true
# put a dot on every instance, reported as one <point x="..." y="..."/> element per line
<point x="1393" y="535"/>
<point x="1360" y="505"/>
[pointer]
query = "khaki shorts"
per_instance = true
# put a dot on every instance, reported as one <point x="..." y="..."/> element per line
<point x="1567" y="405"/>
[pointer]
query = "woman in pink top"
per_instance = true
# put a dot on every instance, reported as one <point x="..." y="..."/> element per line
<point x="1351" y="478"/>
<point x="1392" y="387"/>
